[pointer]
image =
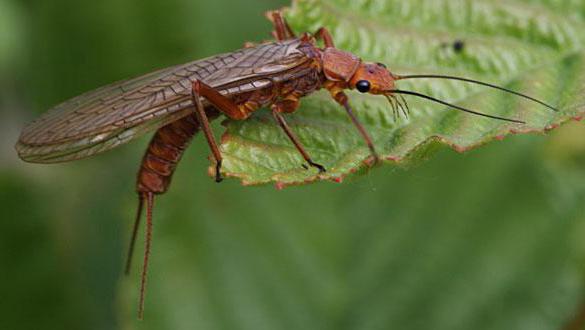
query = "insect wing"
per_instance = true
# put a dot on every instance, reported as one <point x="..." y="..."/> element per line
<point x="104" y="118"/>
<point x="107" y="117"/>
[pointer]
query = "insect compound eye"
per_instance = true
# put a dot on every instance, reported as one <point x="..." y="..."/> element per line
<point x="363" y="86"/>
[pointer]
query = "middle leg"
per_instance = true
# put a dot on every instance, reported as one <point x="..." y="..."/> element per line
<point x="287" y="106"/>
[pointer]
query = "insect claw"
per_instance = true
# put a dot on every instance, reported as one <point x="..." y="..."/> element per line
<point x="218" y="177"/>
<point x="305" y="166"/>
<point x="321" y="168"/>
<point x="373" y="152"/>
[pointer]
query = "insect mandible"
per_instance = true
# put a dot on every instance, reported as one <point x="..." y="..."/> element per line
<point x="180" y="101"/>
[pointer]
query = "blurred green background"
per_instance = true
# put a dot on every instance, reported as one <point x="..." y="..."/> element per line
<point x="491" y="239"/>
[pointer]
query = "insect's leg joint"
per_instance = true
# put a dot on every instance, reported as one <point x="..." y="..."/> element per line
<point x="324" y="35"/>
<point x="201" y="90"/>
<point x="218" y="177"/>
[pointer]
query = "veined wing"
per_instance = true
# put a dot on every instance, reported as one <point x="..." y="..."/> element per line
<point x="115" y="114"/>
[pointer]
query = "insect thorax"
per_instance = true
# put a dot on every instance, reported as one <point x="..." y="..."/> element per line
<point x="296" y="82"/>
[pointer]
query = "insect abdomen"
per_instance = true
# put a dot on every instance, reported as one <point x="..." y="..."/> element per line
<point x="164" y="152"/>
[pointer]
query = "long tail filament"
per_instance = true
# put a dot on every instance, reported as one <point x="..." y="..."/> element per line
<point x="149" y="204"/>
<point x="134" y="234"/>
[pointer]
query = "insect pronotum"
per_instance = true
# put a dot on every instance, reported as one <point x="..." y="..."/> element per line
<point x="180" y="101"/>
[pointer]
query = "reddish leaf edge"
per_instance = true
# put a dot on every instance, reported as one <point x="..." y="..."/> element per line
<point x="369" y="163"/>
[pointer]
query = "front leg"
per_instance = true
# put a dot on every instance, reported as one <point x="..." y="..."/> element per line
<point x="324" y="35"/>
<point x="341" y="98"/>
<point x="288" y="106"/>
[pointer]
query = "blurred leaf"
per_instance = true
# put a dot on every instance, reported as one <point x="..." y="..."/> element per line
<point x="11" y="36"/>
<point x="535" y="47"/>
<point x="492" y="240"/>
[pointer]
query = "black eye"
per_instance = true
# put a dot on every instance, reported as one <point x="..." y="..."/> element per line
<point x="363" y="86"/>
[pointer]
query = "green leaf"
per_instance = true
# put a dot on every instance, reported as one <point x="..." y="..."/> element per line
<point x="489" y="240"/>
<point x="492" y="240"/>
<point x="534" y="47"/>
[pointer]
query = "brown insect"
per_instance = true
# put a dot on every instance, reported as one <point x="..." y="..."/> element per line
<point x="181" y="100"/>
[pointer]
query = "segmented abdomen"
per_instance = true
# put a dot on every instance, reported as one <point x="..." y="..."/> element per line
<point x="165" y="151"/>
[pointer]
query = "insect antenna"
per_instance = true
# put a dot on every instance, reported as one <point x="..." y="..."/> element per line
<point x="398" y="91"/>
<point x="436" y="76"/>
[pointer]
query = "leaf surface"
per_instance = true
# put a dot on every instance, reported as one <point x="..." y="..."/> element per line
<point x="492" y="240"/>
<point x="534" y="47"/>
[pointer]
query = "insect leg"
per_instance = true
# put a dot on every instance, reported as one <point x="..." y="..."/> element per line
<point x="324" y="35"/>
<point x="221" y="103"/>
<point x="289" y="106"/>
<point x="282" y="30"/>
<point x="341" y="98"/>
<point x="204" y="122"/>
